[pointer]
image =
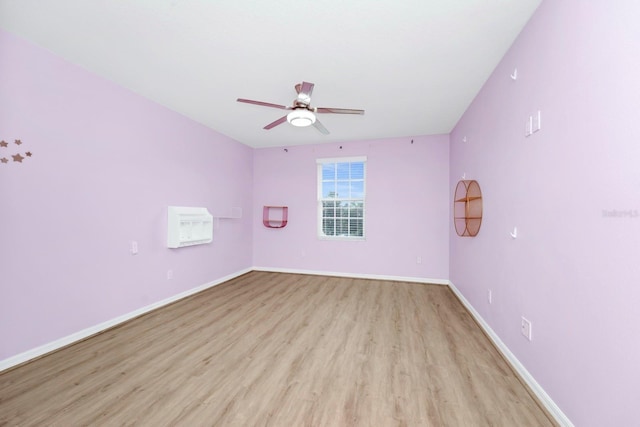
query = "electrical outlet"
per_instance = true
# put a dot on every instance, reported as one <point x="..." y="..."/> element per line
<point x="489" y="296"/>
<point x="525" y="328"/>
<point x="133" y="247"/>
<point x="419" y="260"/>
<point x="169" y="274"/>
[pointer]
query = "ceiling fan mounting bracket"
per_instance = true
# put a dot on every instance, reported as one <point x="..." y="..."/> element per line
<point x="303" y="99"/>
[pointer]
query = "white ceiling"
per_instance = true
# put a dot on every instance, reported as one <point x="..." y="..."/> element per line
<point x="413" y="65"/>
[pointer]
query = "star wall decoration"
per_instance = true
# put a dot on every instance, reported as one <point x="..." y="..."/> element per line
<point x="17" y="158"/>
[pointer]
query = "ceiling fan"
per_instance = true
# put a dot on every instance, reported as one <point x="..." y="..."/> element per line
<point x="302" y="113"/>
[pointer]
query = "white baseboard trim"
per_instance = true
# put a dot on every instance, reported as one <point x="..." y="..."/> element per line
<point x="355" y="275"/>
<point x="85" y="333"/>
<point x="544" y="398"/>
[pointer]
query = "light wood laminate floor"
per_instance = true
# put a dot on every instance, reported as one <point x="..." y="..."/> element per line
<point x="270" y="349"/>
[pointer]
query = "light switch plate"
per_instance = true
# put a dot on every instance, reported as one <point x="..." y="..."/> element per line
<point x="526" y="328"/>
<point x="537" y="121"/>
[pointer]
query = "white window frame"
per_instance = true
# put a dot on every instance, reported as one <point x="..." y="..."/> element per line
<point x="319" y="165"/>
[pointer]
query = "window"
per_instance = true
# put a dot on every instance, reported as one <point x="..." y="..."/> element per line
<point x="341" y="194"/>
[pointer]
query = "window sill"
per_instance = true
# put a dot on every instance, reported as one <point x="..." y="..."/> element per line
<point x="342" y="238"/>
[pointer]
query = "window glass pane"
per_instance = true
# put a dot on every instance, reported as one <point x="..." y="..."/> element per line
<point x="357" y="170"/>
<point x="357" y="189"/>
<point x="328" y="209"/>
<point x="328" y="171"/>
<point x="329" y="190"/>
<point x="342" y="210"/>
<point x="355" y="227"/>
<point x="328" y="226"/>
<point x="343" y="189"/>
<point x="342" y="227"/>
<point x="358" y="210"/>
<point x="343" y="170"/>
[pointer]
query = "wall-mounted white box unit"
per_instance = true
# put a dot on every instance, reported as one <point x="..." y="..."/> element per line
<point x="188" y="226"/>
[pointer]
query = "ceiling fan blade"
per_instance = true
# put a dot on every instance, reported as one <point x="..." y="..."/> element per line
<point x="338" y="111"/>
<point x="276" y="123"/>
<point x="320" y="127"/>
<point x="264" y="104"/>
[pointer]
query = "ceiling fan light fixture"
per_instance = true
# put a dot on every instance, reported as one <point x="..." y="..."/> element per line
<point x="301" y="118"/>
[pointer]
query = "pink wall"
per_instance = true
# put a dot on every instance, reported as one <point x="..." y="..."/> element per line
<point x="573" y="271"/>
<point x="105" y="165"/>
<point x="407" y="209"/>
